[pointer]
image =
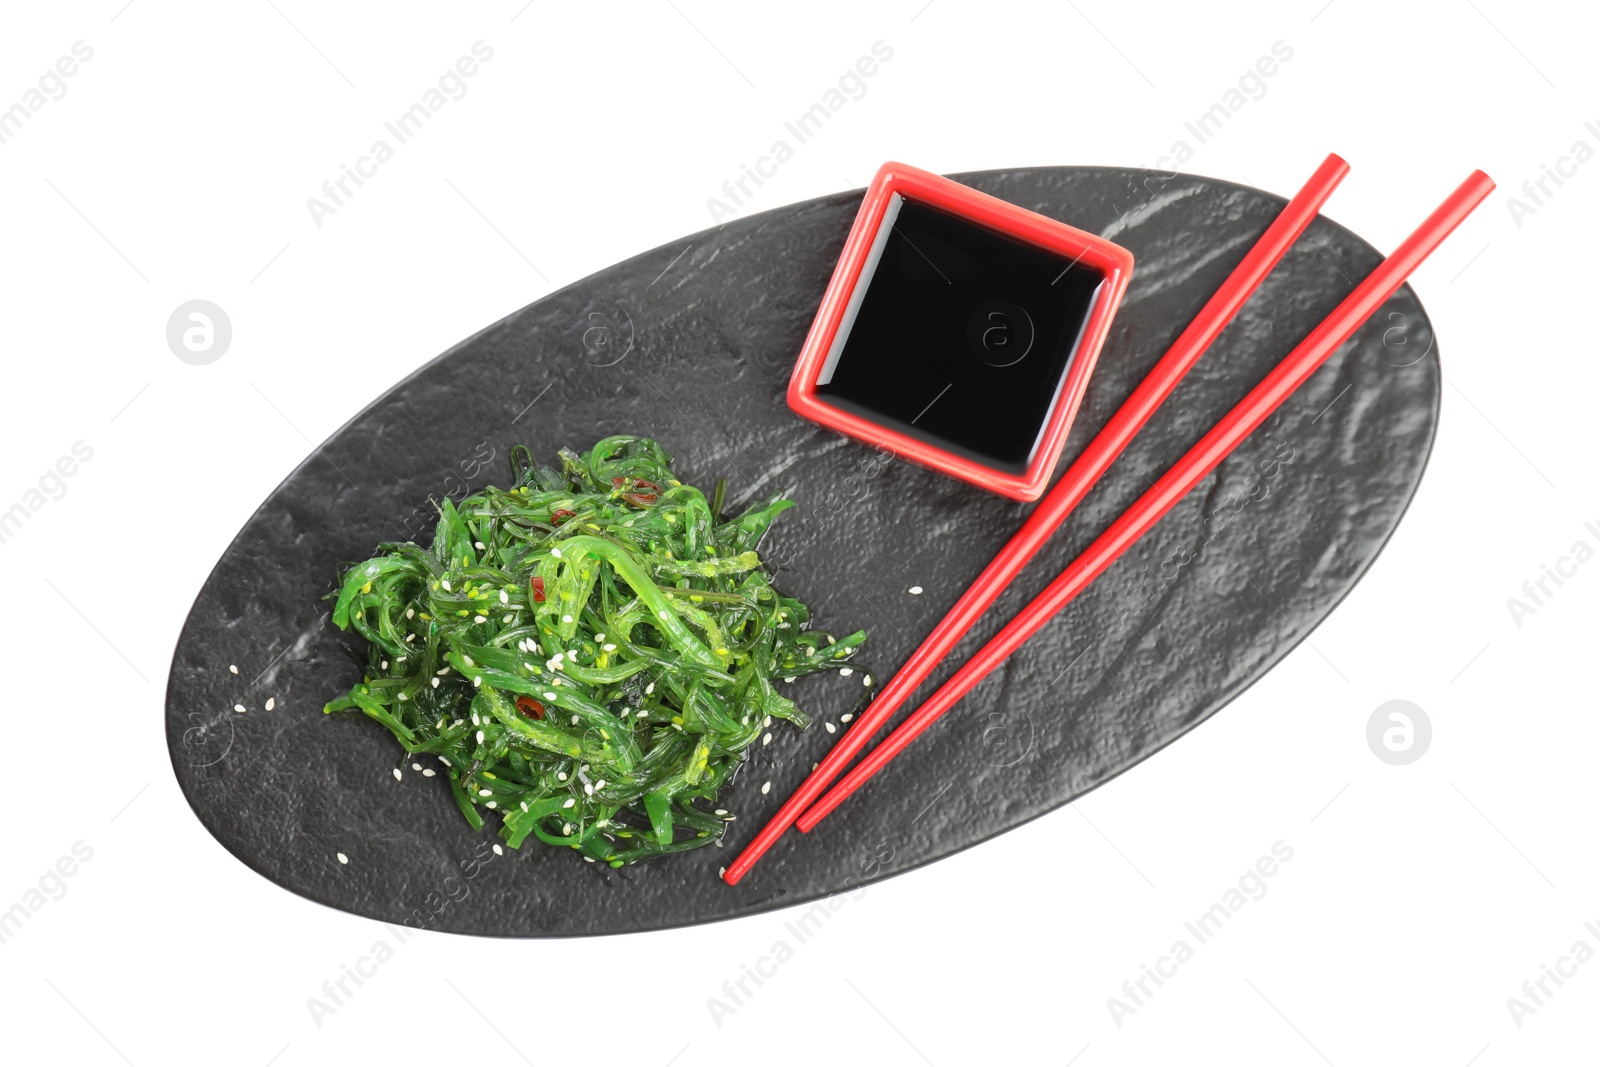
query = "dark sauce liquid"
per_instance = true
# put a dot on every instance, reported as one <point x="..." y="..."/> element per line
<point x="962" y="336"/>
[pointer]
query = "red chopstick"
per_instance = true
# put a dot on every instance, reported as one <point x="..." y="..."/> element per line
<point x="1188" y="472"/>
<point x="1059" y="502"/>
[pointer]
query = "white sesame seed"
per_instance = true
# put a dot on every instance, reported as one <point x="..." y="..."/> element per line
<point x="475" y="720"/>
<point x="505" y="598"/>
<point x="845" y="672"/>
<point x="915" y="590"/>
<point x="468" y="661"/>
<point x="642" y="713"/>
<point x="416" y="766"/>
<point x="566" y="618"/>
<point x="651" y="688"/>
<point x="480" y="737"/>
<point x="609" y="648"/>
<point x="561" y="776"/>
<point x="233" y="669"/>
<point x="766" y="787"/>
<point x="479" y="545"/>
<point x="497" y="850"/>
<point x="721" y="871"/>
<point x="767" y="721"/>
<point x="601" y="784"/>
<point x="384" y="665"/>
<point x="866" y="680"/>
<point x="586" y="859"/>
<point x="507" y="617"/>
<point x="445" y="583"/>
<point x="491" y="804"/>
<point x="480" y="619"/>
<point x="523" y="804"/>
<point x="411" y="637"/>
<point x="549" y="696"/>
<point x="446" y="762"/>
<point x="569" y="803"/>
<point x="790" y="678"/>
<point x="662" y="614"/>
<point x="847" y="716"/>
<point x="574" y="720"/>
<point x="828" y="726"/>
<point x="435" y="682"/>
<point x="599" y="637"/>
<point x="722" y="811"/>
<point x="396" y="773"/>
<point x="442" y="672"/>
<point x="767" y="740"/>
<point x="342" y="857"/>
<point x="556" y="552"/>
<point x="588" y="790"/>
<point x="411" y="613"/>
<point x="427" y="772"/>
<point x="486" y="792"/>
<point x="239" y="708"/>
<point x="400" y="696"/>
<point x="477" y="682"/>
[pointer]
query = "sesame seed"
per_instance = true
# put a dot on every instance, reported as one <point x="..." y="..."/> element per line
<point x="477" y="682"/>
<point x="523" y="804"/>
<point x="549" y="696"/>
<point x="766" y="787"/>
<point x="790" y="678"/>
<point x="601" y="784"/>
<point x="411" y="613"/>
<point x="566" y="618"/>
<point x="845" y="672"/>
<point x="427" y="772"/>
<point x="475" y="720"/>
<point x="446" y="585"/>
<point x="586" y="859"/>
<point x="828" y="726"/>
<point x="396" y="773"/>
<point x="479" y="545"/>
<point x="866" y="680"/>
<point x="342" y="857"/>
<point x="569" y="803"/>
<point x="442" y="672"/>
<point x="767" y="721"/>
<point x="505" y="598"/>
<point x="561" y="776"/>
<point x="721" y="871"/>
<point x="497" y="850"/>
<point x="400" y="696"/>
<point x="486" y="792"/>
<point x="446" y="762"/>
<point x="642" y="713"/>
<point x="480" y="737"/>
<point x="435" y="683"/>
<point x="847" y="716"/>
<point x="662" y="614"/>
<point x="722" y="811"/>
<point x="609" y="648"/>
<point x="468" y="661"/>
<point x="915" y="590"/>
<point x="239" y="708"/>
<point x="588" y="790"/>
<point x="480" y="619"/>
<point x="556" y="552"/>
<point x="384" y="665"/>
<point x="651" y="688"/>
<point x="574" y="720"/>
<point x="233" y="669"/>
<point x="599" y="637"/>
<point x="767" y="740"/>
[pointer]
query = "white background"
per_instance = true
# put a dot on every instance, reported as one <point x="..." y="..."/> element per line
<point x="177" y="166"/>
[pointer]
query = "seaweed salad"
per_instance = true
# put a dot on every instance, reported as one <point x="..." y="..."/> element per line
<point x="589" y="652"/>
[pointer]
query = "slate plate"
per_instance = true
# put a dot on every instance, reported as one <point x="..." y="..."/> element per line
<point x="692" y="343"/>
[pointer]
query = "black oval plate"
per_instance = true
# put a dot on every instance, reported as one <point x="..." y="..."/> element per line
<point x="692" y="343"/>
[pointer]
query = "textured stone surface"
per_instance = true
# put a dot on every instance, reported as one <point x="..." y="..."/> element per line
<point x="705" y="330"/>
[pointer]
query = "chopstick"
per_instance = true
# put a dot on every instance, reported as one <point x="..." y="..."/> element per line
<point x="1184" y="475"/>
<point x="1191" y="344"/>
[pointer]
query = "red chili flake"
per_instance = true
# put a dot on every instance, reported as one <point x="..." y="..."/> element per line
<point x="633" y="495"/>
<point x="530" y="707"/>
<point x="536" y="585"/>
<point x="560" y="515"/>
